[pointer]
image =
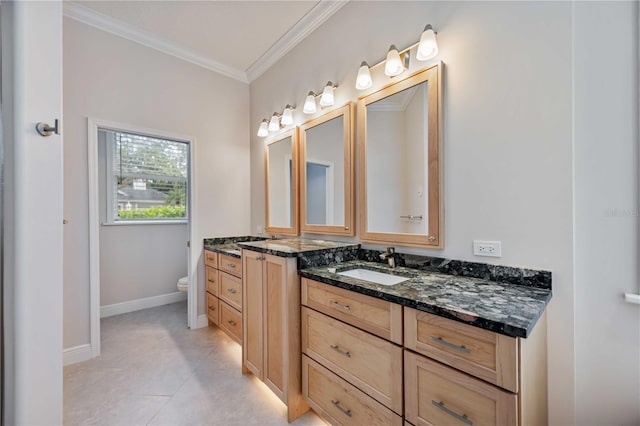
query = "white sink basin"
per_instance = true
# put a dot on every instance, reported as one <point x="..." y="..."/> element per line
<point x="374" y="277"/>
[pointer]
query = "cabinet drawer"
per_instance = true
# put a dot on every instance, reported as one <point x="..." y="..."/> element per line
<point x="211" y="258"/>
<point x="370" y="363"/>
<point x="230" y="290"/>
<point x="377" y="316"/>
<point x="230" y="264"/>
<point x="211" y="275"/>
<point x="213" y="310"/>
<point x="487" y="355"/>
<point x="338" y="401"/>
<point x="231" y="322"/>
<point x="439" y="395"/>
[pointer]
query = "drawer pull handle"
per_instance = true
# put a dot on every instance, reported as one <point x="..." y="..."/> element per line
<point x="212" y="308"/>
<point x="340" y="351"/>
<point x="450" y="345"/>
<point x="232" y="323"/>
<point x="231" y="290"/>
<point x="231" y="265"/>
<point x="210" y="280"/>
<point x="337" y="404"/>
<point x="463" y="418"/>
<point x="339" y="305"/>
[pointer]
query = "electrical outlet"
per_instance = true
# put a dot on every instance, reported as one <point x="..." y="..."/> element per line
<point x="487" y="248"/>
<point x="259" y="229"/>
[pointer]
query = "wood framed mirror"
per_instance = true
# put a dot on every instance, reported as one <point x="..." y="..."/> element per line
<point x="281" y="184"/>
<point x="400" y="162"/>
<point x="327" y="170"/>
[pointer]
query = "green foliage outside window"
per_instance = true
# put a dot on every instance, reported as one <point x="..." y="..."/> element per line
<point x="156" y="212"/>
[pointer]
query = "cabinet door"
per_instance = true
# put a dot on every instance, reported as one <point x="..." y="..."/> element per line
<point x="274" y="305"/>
<point x="252" y="265"/>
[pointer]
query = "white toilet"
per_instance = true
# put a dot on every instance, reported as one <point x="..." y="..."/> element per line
<point x="183" y="284"/>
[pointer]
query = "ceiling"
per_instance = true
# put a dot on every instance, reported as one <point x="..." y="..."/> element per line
<point x="238" y="38"/>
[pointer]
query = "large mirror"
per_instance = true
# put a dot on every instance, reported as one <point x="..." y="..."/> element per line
<point x="400" y="162"/>
<point x="326" y="174"/>
<point x="281" y="188"/>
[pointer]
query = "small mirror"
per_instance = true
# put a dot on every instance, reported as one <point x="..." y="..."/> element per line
<point x="399" y="139"/>
<point x="281" y="176"/>
<point x="327" y="173"/>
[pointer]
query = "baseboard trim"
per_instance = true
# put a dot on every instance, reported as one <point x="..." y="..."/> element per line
<point x="202" y="322"/>
<point x="138" y="304"/>
<point x="77" y="354"/>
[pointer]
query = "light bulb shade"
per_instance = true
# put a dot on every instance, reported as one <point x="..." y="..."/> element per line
<point x="364" y="80"/>
<point x="428" y="46"/>
<point x="327" y="97"/>
<point x="287" y="116"/>
<point x="263" y="130"/>
<point x="309" y="104"/>
<point x="393" y="65"/>
<point x="274" y="124"/>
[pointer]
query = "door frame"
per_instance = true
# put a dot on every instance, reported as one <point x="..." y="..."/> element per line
<point x="93" y="124"/>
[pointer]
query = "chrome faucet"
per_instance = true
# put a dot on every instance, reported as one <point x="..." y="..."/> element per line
<point x="389" y="256"/>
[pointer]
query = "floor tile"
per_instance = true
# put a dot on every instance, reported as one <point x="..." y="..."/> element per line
<point x="153" y="370"/>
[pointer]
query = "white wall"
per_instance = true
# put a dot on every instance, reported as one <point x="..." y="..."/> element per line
<point x="606" y="212"/>
<point x="137" y="261"/>
<point x="507" y="132"/>
<point x="110" y="78"/>
<point x="32" y="92"/>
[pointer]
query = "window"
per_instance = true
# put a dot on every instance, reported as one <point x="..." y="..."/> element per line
<point x="146" y="177"/>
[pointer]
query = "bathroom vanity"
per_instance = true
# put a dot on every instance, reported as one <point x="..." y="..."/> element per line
<point x="334" y="327"/>
<point x="433" y="349"/>
<point x="223" y="283"/>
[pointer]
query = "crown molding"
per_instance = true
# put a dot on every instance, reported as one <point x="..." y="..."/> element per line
<point x="106" y="23"/>
<point x="305" y="26"/>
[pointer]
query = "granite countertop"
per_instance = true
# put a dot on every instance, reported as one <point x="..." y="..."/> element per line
<point x="228" y="245"/>
<point x="296" y="247"/>
<point x="505" y="308"/>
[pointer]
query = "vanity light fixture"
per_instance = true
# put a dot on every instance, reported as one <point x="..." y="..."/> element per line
<point x="428" y="45"/>
<point x="310" y="104"/>
<point x="287" y="115"/>
<point x="274" y="123"/>
<point x="394" y="65"/>
<point x="263" y="130"/>
<point x="396" y="61"/>
<point x="327" y="97"/>
<point x="364" y="80"/>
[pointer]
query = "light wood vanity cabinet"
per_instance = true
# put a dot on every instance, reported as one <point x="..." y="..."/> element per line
<point x="224" y="293"/>
<point x="271" y="330"/>
<point x="453" y="373"/>
<point x="438" y="394"/>
<point x="350" y="373"/>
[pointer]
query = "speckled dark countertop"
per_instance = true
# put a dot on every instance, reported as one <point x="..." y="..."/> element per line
<point x="228" y="245"/>
<point x="297" y="247"/>
<point x="505" y="308"/>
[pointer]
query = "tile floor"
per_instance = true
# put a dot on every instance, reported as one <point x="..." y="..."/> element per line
<point x="154" y="371"/>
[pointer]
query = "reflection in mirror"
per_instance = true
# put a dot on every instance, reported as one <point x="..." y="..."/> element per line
<point x="281" y="185"/>
<point x="327" y="173"/>
<point x="400" y="162"/>
<point x="397" y="176"/>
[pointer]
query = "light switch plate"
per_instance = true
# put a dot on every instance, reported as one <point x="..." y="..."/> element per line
<point x="487" y="248"/>
<point x="259" y="229"/>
